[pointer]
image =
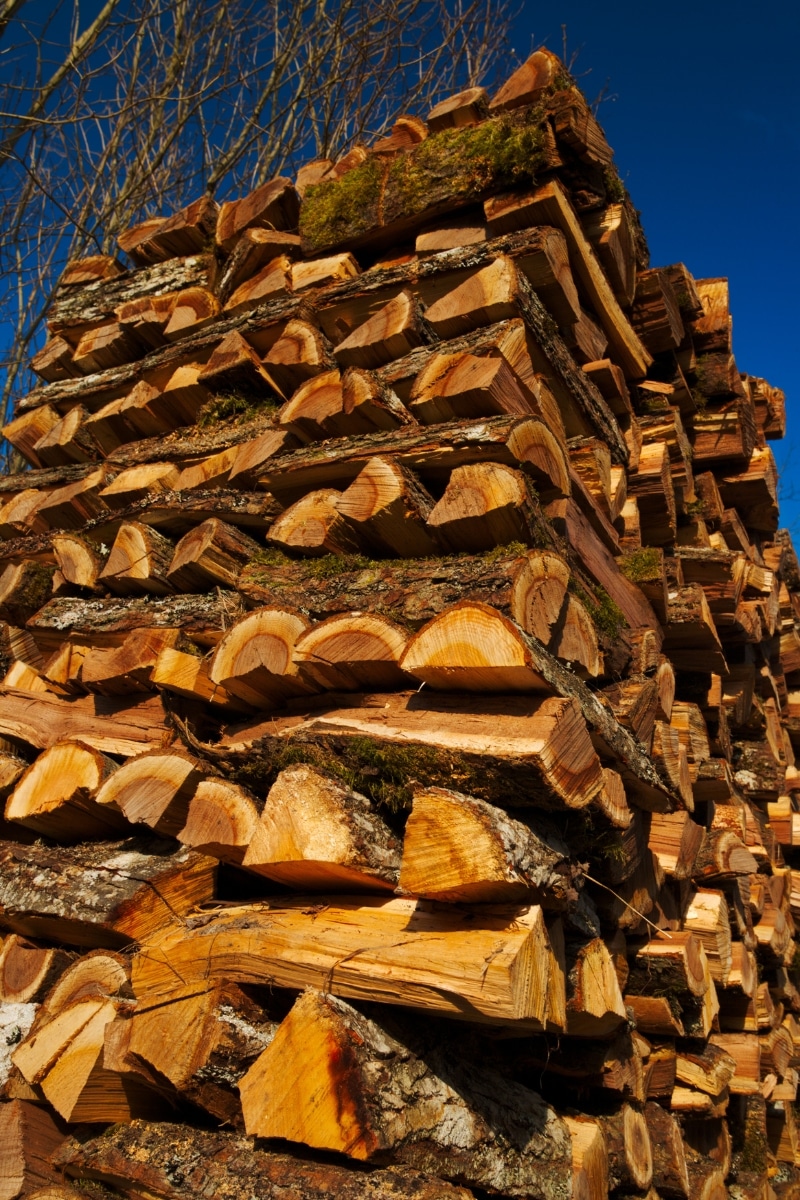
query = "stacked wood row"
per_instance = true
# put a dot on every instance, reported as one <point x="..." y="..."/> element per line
<point x="400" y="698"/>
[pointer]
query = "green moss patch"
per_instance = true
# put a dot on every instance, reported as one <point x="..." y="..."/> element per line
<point x="641" y="565"/>
<point x="455" y="166"/>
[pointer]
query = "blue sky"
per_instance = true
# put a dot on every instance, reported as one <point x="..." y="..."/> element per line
<point x="706" y="128"/>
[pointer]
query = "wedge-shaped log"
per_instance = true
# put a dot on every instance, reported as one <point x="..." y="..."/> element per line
<point x="194" y="308"/>
<point x="484" y="505"/>
<point x="53" y="797"/>
<point x="334" y="404"/>
<point x="145" y="318"/>
<point x="472" y="647"/>
<point x="203" y="1045"/>
<point x="79" y="562"/>
<point x="709" y="1071"/>
<point x="514" y="750"/>
<point x="314" y="526"/>
<point x="301" y="352"/>
<point x="235" y="366"/>
<point x="211" y="554"/>
<point x="336" y="1080"/>
<point x="388" y="507"/>
<point x="144" y="1154"/>
<point x="68" y="441"/>
<point x="675" y="840"/>
<point x="394" y="330"/>
<point x="186" y="232"/>
<point x="187" y="675"/>
<point x="670" y="1174"/>
<point x="464" y="386"/>
<point x="139" y="561"/>
<point x="26" y="430"/>
<point x="273" y="281"/>
<point x="723" y="855"/>
<point x="273" y="205"/>
<point x="462" y="850"/>
<point x="153" y="789"/>
<point x="360" y="652"/>
<point x="221" y="820"/>
<point x="28" y="970"/>
<point x="101" y="893"/>
<point x="138" y="483"/>
<point x="254" y="249"/>
<point x="595" y="1007"/>
<point x="254" y="659"/>
<point x="316" y="834"/>
<point x="121" y="670"/>
<point x="54" y="361"/>
<point x="404" y="952"/>
<point x="707" y="918"/>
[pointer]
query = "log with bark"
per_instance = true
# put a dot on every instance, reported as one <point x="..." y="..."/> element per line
<point x="143" y="1154"/>
<point x="100" y="893"/>
<point x="337" y="1080"/>
<point x="408" y="952"/>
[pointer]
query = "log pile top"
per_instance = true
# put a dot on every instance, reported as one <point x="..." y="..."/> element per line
<point x="399" y="701"/>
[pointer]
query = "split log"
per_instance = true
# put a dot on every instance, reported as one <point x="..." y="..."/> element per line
<point x="145" y="318"/>
<point x="211" y="554"/>
<point x="254" y="249"/>
<point x="462" y="850"/>
<point x="27" y="429"/>
<point x="517" y="751"/>
<point x="28" y="970"/>
<point x="234" y="366"/>
<point x="139" y="483"/>
<point x="54" y="796"/>
<point x="484" y="505"/>
<point x="186" y="232"/>
<point x="317" y="834"/>
<point x="458" y="387"/>
<point x="589" y="1158"/>
<point x="331" y="404"/>
<point x="273" y="205"/>
<point x="139" y="561"/>
<point x="300" y="352"/>
<point x="29" y="1135"/>
<point x="120" y="670"/>
<point x="68" y="441"/>
<point x="707" y="918"/>
<point x="612" y="237"/>
<point x="722" y="855"/>
<point x="360" y="652"/>
<point x="203" y="1045"/>
<point x="450" y="234"/>
<point x="595" y="1007"/>
<point x="102" y="347"/>
<point x="24" y="588"/>
<point x="153" y="789"/>
<point x="143" y="1155"/>
<point x="472" y="647"/>
<point x="54" y="361"/>
<point x="221" y="820"/>
<point x="388" y="507"/>
<point x="101" y="893"/>
<point x="41" y="720"/>
<point x="469" y="107"/>
<point x="321" y="271"/>
<point x="630" y="1156"/>
<point x="536" y="75"/>
<point x="709" y="1071"/>
<point x="325" y="1048"/>
<point x="78" y="560"/>
<point x="187" y="675"/>
<point x="271" y="282"/>
<point x="675" y="840"/>
<point x="254" y="659"/>
<point x="314" y="526"/>
<point x="670" y="1174"/>
<point x="394" y="330"/>
<point x="404" y="952"/>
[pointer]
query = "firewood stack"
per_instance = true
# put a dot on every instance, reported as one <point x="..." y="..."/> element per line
<point x="398" y="715"/>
